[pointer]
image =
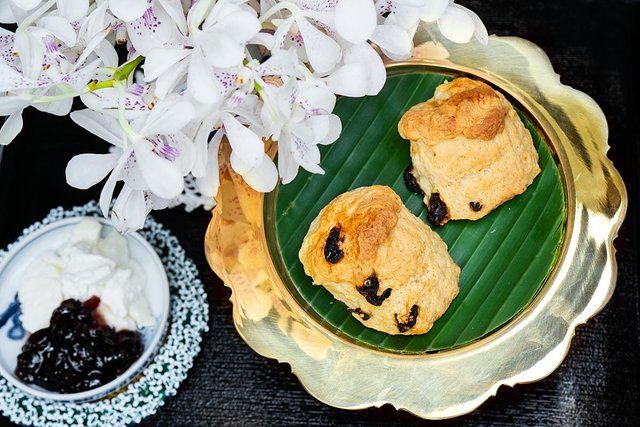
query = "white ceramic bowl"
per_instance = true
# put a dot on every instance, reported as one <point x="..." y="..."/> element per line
<point x="51" y="237"/>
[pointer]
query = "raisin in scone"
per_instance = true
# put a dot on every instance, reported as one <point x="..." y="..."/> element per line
<point x="470" y="150"/>
<point x="391" y="270"/>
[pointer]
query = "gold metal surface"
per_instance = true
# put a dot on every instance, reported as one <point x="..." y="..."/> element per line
<point x="454" y="382"/>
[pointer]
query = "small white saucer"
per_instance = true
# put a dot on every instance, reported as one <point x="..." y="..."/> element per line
<point x="50" y="237"/>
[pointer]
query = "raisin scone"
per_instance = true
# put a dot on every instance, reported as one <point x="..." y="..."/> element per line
<point x="470" y="150"/>
<point x="391" y="270"/>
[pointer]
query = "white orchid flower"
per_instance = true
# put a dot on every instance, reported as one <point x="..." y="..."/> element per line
<point x="43" y="66"/>
<point x="456" y="22"/>
<point x="298" y="116"/>
<point x="152" y="153"/>
<point x="128" y="10"/>
<point x="215" y="39"/>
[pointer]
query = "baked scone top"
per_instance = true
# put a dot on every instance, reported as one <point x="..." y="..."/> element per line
<point x="462" y="107"/>
<point x="360" y="223"/>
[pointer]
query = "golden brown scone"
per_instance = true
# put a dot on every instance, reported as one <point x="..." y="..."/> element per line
<point x="391" y="270"/>
<point x="470" y="150"/>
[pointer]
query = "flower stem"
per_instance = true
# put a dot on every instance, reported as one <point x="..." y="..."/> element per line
<point x="277" y="8"/>
<point x="35" y="15"/>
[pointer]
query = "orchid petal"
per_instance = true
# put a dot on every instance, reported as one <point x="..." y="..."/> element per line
<point x="432" y="10"/>
<point x="168" y="116"/>
<point x="26" y="4"/>
<point x="220" y="50"/>
<point x="31" y="53"/>
<point x="73" y="10"/>
<point x="244" y="142"/>
<point x="107" y="53"/>
<point x="237" y="164"/>
<point x="281" y="33"/>
<point x="60" y="28"/>
<point x="61" y="107"/>
<point x="129" y="211"/>
<point x="209" y="183"/>
<point x="86" y="170"/>
<point x="355" y="20"/>
<point x="366" y="55"/>
<point x="186" y="152"/>
<point x="282" y="63"/>
<point x="317" y="100"/>
<point x="159" y="60"/>
<point x="480" y="31"/>
<point x="200" y="148"/>
<point x="264" y="177"/>
<point x="163" y="178"/>
<point x="175" y="11"/>
<point x="99" y="124"/>
<point x="201" y="83"/>
<point x="456" y="25"/>
<point x="326" y="128"/>
<point x="90" y="47"/>
<point x="287" y="167"/>
<point x="349" y="80"/>
<point x="170" y="78"/>
<point x="11" y="128"/>
<point x="107" y="191"/>
<point x="264" y="39"/>
<point x="307" y="156"/>
<point x="128" y="10"/>
<point x="323" y="51"/>
<point x="6" y="14"/>
<point x="240" y="26"/>
<point x="12" y="104"/>
<point x="394" y="41"/>
<point x="154" y="29"/>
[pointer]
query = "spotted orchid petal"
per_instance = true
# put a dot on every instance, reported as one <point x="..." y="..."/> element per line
<point x="281" y="33"/>
<point x="162" y="177"/>
<point x="264" y="177"/>
<point x="159" y="60"/>
<point x="264" y="39"/>
<point x="73" y="10"/>
<point x="153" y="29"/>
<point x="11" y="128"/>
<point x="307" y="155"/>
<point x="99" y="124"/>
<point x="456" y="25"/>
<point x="394" y="41"/>
<point x="181" y="151"/>
<point x="86" y="170"/>
<point x="208" y="184"/>
<point x="129" y="210"/>
<point x="201" y="83"/>
<point x="355" y="20"/>
<point x="323" y="51"/>
<point x="326" y="128"/>
<point x="128" y="10"/>
<point x="60" y="28"/>
<point x="287" y="166"/>
<point x="316" y="100"/>
<point x="244" y="142"/>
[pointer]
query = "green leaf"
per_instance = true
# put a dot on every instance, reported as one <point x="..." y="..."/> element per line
<point x="504" y="258"/>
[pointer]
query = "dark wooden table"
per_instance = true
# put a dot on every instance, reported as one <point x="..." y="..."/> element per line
<point x="592" y="45"/>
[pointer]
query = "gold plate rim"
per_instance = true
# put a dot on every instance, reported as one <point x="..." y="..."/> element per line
<point x="527" y="348"/>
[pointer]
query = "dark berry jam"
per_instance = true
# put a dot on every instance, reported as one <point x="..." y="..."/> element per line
<point x="437" y="212"/>
<point x="412" y="318"/>
<point x="78" y="351"/>
<point x="411" y="182"/>
<point x="369" y="290"/>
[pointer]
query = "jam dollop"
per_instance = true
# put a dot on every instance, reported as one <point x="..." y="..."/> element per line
<point x="78" y="351"/>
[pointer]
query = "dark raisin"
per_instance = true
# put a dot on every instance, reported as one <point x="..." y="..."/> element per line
<point x="78" y="351"/>
<point x="332" y="251"/>
<point x="437" y="211"/>
<point x="411" y="181"/>
<point x="475" y="206"/>
<point x="411" y="319"/>
<point x="363" y="314"/>
<point x="369" y="290"/>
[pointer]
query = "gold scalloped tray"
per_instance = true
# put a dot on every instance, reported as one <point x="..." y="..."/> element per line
<point x="348" y="374"/>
